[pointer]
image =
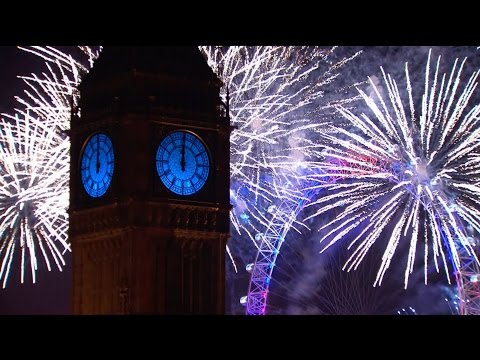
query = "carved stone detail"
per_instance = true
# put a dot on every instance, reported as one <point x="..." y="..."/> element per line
<point x="146" y="214"/>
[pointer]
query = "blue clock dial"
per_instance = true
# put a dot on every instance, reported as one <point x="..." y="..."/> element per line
<point x="97" y="165"/>
<point x="182" y="163"/>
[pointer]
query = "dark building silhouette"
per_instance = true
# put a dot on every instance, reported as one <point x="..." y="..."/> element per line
<point x="149" y="185"/>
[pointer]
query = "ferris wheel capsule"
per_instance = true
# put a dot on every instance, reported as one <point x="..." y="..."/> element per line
<point x="258" y="236"/>
<point x="271" y="209"/>
<point x="475" y="278"/>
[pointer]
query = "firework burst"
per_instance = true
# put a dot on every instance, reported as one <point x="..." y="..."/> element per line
<point x="277" y="98"/>
<point x="32" y="190"/>
<point x="421" y="183"/>
<point x="34" y="165"/>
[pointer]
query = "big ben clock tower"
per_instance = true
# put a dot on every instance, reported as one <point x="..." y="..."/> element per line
<point x="149" y="185"/>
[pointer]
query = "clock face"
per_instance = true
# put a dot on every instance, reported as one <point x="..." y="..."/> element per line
<point x="183" y="163"/>
<point x="97" y="165"/>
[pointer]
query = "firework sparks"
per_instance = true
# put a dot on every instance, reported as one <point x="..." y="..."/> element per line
<point x="32" y="190"/>
<point x="51" y="96"/>
<point x="422" y="186"/>
<point x="276" y="97"/>
<point x="34" y="166"/>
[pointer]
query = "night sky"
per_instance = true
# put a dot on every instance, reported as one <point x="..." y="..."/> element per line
<point x="13" y="62"/>
<point x="51" y="294"/>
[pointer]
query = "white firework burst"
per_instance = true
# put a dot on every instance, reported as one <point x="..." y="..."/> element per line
<point x="34" y="165"/>
<point x="421" y="184"/>
<point x="277" y="99"/>
<point x="32" y="190"/>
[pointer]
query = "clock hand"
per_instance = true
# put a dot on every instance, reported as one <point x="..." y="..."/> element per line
<point x="98" y="154"/>
<point x="182" y="161"/>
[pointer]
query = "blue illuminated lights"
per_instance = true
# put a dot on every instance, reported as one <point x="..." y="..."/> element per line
<point x="183" y="164"/>
<point x="97" y="164"/>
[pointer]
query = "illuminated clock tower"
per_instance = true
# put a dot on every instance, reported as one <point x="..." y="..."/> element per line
<point x="149" y="185"/>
